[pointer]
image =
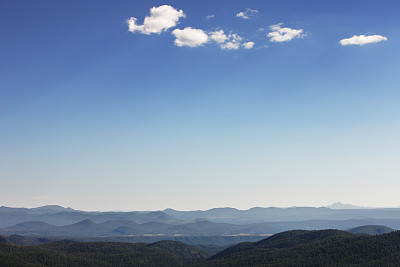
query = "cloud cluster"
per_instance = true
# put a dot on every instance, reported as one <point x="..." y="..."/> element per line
<point x="247" y="13"/>
<point x="218" y="36"/>
<point x="234" y="42"/>
<point x="160" y="19"/>
<point x="279" y="34"/>
<point x="231" y="41"/>
<point x="362" y="40"/>
<point x="190" y="37"/>
<point x="164" y="17"/>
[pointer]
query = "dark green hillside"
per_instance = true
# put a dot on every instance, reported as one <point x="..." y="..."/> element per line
<point x="314" y="248"/>
<point x="371" y="230"/>
<point x="68" y="253"/>
<point x="3" y="240"/>
<point x="26" y="240"/>
<point x="291" y="248"/>
<point x="189" y="254"/>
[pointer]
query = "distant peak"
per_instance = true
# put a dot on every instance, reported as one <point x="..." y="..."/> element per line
<point x="86" y="222"/>
<point x="342" y="206"/>
<point x="52" y="207"/>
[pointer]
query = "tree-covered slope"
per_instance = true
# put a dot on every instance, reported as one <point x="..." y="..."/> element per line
<point x="68" y="253"/>
<point x="314" y="248"/>
<point x="291" y="248"/>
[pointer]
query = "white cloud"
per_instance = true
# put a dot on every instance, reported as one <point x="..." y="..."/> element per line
<point x="279" y="34"/>
<point x="247" y="14"/>
<point x="210" y="17"/>
<point x="362" y="40"/>
<point x="160" y="19"/>
<point x="234" y="42"/>
<point x="248" y="45"/>
<point x="218" y="36"/>
<point x="190" y="37"/>
<point x="230" y="46"/>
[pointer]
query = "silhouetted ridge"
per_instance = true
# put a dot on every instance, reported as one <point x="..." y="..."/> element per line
<point x="314" y="248"/>
<point x="3" y="240"/>
<point x="296" y="237"/>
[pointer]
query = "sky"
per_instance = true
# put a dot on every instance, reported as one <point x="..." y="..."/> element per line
<point x="184" y="104"/>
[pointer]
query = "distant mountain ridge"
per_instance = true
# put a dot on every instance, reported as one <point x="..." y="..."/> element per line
<point x="341" y="206"/>
<point x="59" y="216"/>
<point x="58" y="221"/>
<point x="113" y="228"/>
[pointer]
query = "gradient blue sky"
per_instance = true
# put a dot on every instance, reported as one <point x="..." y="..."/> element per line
<point x="95" y="117"/>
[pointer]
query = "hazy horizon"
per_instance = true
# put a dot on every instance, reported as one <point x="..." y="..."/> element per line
<point x="147" y="105"/>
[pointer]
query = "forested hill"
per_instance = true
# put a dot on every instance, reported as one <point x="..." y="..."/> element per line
<point x="314" y="248"/>
<point x="291" y="248"/>
<point x="69" y="253"/>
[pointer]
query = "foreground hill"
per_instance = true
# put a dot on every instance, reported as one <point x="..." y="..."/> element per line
<point x="314" y="248"/>
<point x="291" y="248"/>
<point x="69" y="253"/>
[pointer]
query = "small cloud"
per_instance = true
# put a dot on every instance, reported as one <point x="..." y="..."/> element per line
<point x="234" y="42"/>
<point x="190" y="37"/>
<point x="247" y="14"/>
<point x="248" y="45"/>
<point x="363" y="39"/>
<point x="230" y="46"/>
<point x="210" y="17"/>
<point x="279" y="34"/>
<point x="160" y="19"/>
<point x="218" y="36"/>
<point x="262" y="47"/>
<point x="261" y="29"/>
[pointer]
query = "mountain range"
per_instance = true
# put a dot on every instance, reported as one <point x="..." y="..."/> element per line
<point x="56" y="221"/>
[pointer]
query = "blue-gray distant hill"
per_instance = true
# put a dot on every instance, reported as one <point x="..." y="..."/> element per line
<point x="272" y="214"/>
<point x="63" y="216"/>
<point x="371" y="230"/>
<point x="56" y="221"/>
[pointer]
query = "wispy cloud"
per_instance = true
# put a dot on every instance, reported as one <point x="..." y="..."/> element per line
<point x="279" y="34"/>
<point x="231" y="41"/>
<point x="210" y="17"/>
<point x="247" y="13"/>
<point x="363" y="39"/>
<point x="248" y="45"/>
<point x="160" y="19"/>
<point x="190" y="37"/>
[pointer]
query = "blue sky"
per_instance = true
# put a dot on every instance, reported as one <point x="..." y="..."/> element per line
<point x="99" y="114"/>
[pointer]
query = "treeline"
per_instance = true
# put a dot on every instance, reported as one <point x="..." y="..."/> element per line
<point x="314" y="248"/>
<point x="291" y="248"/>
<point x="68" y="253"/>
